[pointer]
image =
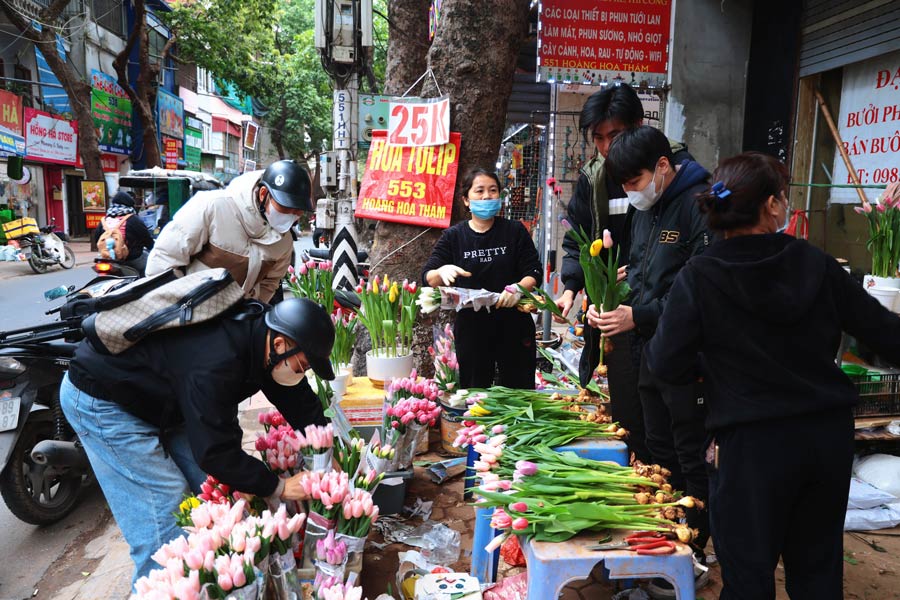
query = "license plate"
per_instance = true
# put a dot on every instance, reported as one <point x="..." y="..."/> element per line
<point x="9" y="413"/>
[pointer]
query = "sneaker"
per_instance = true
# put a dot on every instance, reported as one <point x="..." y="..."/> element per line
<point x="661" y="589"/>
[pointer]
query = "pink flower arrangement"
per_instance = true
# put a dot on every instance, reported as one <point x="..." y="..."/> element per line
<point x="280" y="447"/>
<point x="313" y="280"/>
<point x="358" y="512"/>
<point x="326" y="491"/>
<point x="331" y="551"/>
<point x="446" y="365"/>
<point x="212" y="490"/>
<point x="316" y="438"/>
<point x="340" y="591"/>
<point x="271" y="418"/>
<point x="412" y="411"/>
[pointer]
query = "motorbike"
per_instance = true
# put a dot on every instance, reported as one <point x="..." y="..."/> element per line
<point x="43" y="467"/>
<point x="46" y="249"/>
<point x="118" y="268"/>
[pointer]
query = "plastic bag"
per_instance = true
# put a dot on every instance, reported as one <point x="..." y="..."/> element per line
<point x="283" y="582"/>
<point x="864" y="495"/>
<point x="511" y="588"/>
<point x="439" y="544"/>
<point x="355" y="546"/>
<point x="880" y="517"/>
<point x="880" y="470"/>
<point x="317" y="528"/>
<point x="511" y="552"/>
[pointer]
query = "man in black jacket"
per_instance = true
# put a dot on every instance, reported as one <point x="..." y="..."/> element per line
<point x="156" y="418"/>
<point x="668" y="229"/>
<point x="600" y="203"/>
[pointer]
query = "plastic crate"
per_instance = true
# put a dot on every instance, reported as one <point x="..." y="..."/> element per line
<point x="19" y="227"/>
<point x="879" y="394"/>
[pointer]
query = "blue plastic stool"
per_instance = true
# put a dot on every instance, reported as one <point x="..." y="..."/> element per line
<point x="551" y="565"/>
<point x="484" y="564"/>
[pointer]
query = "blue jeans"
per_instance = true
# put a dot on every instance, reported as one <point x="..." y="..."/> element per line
<point x="142" y="485"/>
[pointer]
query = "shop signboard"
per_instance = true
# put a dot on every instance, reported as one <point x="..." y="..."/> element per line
<point x="111" y="108"/>
<point x="10" y="113"/>
<point x="170" y="114"/>
<point x="604" y="41"/>
<point x="869" y="124"/>
<point x="49" y="139"/>
<point x="91" y="220"/>
<point x="412" y="185"/>
<point x="419" y="121"/>
<point x="110" y="163"/>
<point x="251" y="133"/>
<point x="171" y="148"/>
<point x="193" y="148"/>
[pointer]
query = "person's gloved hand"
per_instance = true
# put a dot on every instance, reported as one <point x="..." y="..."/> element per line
<point x="509" y="297"/>
<point x="449" y="273"/>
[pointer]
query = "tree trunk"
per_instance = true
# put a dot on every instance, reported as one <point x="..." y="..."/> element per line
<point x="143" y="92"/>
<point x="78" y="91"/>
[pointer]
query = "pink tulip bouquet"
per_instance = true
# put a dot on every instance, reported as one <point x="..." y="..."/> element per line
<point x="339" y="591"/>
<point x="884" y="231"/>
<point x="317" y="442"/>
<point x="312" y="280"/>
<point x="280" y="449"/>
<point x="326" y="492"/>
<point x="271" y="418"/>
<point x="446" y="365"/>
<point x="331" y="561"/>
<point x="358" y="512"/>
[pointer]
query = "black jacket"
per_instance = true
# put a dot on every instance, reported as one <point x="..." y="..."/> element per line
<point x="580" y="211"/>
<point x="137" y="236"/>
<point x="662" y="240"/>
<point x="198" y="375"/>
<point x="766" y="313"/>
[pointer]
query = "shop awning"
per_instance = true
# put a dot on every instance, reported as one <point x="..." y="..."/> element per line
<point x="223" y="125"/>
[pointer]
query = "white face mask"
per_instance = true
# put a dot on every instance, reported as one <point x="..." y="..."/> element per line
<point x="787" y="219"/>
<point x="645" y="198"/>
<point x="279" y="221"/>
<point x="284" y="375"/>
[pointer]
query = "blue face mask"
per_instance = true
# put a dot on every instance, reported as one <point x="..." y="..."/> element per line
<point x="485" y="209"/>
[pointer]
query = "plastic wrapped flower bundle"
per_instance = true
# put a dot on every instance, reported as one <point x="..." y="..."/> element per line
<point x="529" y="418"/>
<point x="340" y="591"/>
<point x="220" y="556"/>
<point x="279" y="447"/>
<point x="316" y="443"/>
<point x="446" y="365"/>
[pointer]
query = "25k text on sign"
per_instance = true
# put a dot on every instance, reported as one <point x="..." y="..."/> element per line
<point x="419" y="121"/>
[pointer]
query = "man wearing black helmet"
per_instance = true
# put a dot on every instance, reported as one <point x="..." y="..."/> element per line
<point x="243" y="228"/>
<point x="156" y="418"/>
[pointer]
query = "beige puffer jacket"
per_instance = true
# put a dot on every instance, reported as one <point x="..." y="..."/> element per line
<point x="224" y="228"/>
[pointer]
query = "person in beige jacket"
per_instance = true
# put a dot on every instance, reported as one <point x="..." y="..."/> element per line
<point x="244" y="228"/>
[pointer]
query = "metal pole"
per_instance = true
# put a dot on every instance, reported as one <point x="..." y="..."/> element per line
<point x="344" y="244"/>
<point x="547" y="212"/>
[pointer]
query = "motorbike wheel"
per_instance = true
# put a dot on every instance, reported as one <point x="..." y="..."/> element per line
<point x="68" y="260"/>
<point x="36" y="263"/>
<point x="37" y="494"/>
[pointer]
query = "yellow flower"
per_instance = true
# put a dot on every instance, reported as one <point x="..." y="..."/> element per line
<point x="596" y="246"/>
<point x="478" y="410"/>
<point x="392" y="295"/>
<point x="189" y="504"/>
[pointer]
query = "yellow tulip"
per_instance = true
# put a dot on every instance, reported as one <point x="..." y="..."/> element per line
<point x="596" y="247"/>
<point x="392" y="295"/>
<point x="478" y="411"/>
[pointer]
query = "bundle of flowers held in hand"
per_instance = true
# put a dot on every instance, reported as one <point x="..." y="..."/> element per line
<point x="317" y="438"/>
<point x="446" y="365"/>
<point x="279" y="447"/>
<point x="358" y="512"/>
<point x="326" y="491"/>
<point x="212" y="490"/>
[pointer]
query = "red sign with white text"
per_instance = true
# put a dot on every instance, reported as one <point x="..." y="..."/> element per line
<point x="110" y="163"/>
<point x="91" y="220"/>
<point x="171" y="146"/>
<point x="604" y="41"/>
<point x="412" y="185"/>
<point x="10" y="112"/>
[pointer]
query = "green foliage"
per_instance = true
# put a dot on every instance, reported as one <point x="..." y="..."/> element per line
<point x="266" y="49"/>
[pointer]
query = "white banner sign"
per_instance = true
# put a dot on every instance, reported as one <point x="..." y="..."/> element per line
<point x="870" y="126"/>
<point x="419" y="121"/>
<point x="50" y="139"/>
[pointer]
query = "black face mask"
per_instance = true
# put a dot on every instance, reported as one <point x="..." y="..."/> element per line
<point x="275" y="358"/>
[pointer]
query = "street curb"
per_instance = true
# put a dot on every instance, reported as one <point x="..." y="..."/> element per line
<point x="84" y="256"/>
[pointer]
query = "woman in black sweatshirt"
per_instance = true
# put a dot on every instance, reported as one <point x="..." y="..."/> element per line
<point x="492" y="253"/>
<point x="765" y="312"/>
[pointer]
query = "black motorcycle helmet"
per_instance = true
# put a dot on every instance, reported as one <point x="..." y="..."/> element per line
<point x="289" y="185"/>
<point x="307" y="325"/>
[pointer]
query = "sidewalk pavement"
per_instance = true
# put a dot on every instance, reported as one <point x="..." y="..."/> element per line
<point x="83" y="256"/>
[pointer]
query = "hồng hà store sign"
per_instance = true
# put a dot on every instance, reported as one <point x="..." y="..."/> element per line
<point x="49" y="139"/>
<point x="412" y="185"/>
<point x="604" y="41"/>
<point x="869" y="124"/>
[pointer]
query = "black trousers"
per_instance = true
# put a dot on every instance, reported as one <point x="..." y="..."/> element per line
<point x="623" y="367"/>
<point x="676" y="438"/>
<point x="781" y="489"/>
<point x="501" y="339"/>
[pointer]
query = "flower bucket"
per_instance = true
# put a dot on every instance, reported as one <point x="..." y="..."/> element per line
<point x="451" y="423"/>
<point x="870" y="281"/>
<point x="381" y="369"/>
<point x="887" y="296"/>
<point x="342" y="378"/>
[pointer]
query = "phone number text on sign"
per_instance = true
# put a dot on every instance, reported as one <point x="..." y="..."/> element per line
<point x="411" y="185"/>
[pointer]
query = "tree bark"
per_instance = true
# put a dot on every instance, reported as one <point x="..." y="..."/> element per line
<point x="76" y="89"/>
<point x="473" y="57"/>
<point x="143" y="92"/>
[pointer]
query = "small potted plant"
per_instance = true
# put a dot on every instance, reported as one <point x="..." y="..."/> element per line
<point x="342" y="351"/>
<point x="884" y="244"/>
<point x="388" y="313"/>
